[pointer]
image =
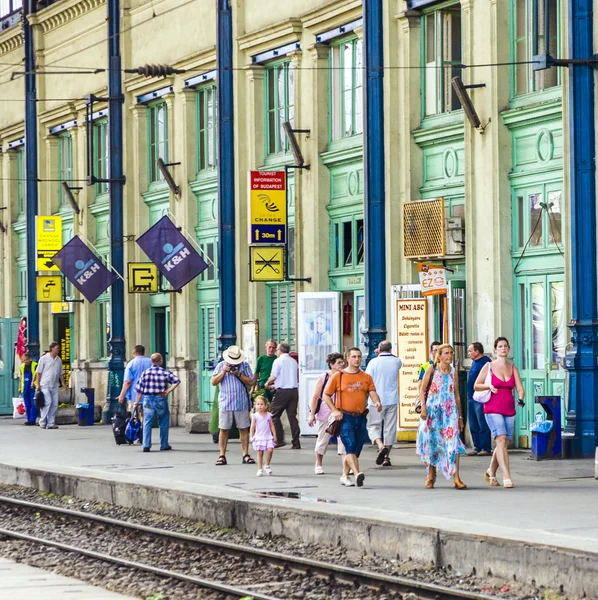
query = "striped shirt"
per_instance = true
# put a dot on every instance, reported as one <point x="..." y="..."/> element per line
<point x="155" y="380"/>
<point x="233" y="392"/>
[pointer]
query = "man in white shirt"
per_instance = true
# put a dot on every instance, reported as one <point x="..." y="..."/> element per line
<point x="48" y="379"/>
<point x="385" y="372"/>
<point x="285" y="378"/>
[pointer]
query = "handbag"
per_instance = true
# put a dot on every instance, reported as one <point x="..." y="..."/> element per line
<point x="418" y="406"/>
<point x="483" y="397"/>
<point x="40" y="401"/>
<point x="319" y="403"/>
<point x="334" y="428"/>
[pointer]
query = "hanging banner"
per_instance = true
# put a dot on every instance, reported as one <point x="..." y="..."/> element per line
<point x="49" y="242"/>
<point x="412" y="343"/>
<point x="84" y="269"/>
<point x="170" y="251"/>
<point x="432" y="278"/>
<point x="268" y="206"/>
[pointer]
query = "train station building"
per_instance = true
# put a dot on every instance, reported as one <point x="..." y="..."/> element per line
<point x="486" y="205"/>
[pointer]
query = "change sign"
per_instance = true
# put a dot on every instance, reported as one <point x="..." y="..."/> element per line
<point x="170" y="251"/>
<point x="49" y="242"/>
<point x="84" y="269"/>
<point x="268" y="205"/>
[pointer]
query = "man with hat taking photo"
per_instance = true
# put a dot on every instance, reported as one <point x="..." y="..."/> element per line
<point x="233" y="374"/>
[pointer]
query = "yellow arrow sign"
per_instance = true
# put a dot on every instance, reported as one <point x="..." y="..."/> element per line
<point x="267" y="263"/>
<point x="49" y="288"/>
<point x="143" y="278"/>
<point x="49" y="242"/>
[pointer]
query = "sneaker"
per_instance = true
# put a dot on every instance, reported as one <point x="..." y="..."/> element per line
<point x="346" y="482"/>
<point x="260" y="473"/>
<point x="52" y="427"/>
<point x="146" y="449"/>
<point x="42" y="426"/>
<point x="319" y="470"/>
<point x="268" y="470"/>
<point x="359" y="479"/>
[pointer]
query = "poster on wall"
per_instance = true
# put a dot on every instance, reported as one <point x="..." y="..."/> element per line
<point x="412" y="344"/>
<point x="250" y="335"/>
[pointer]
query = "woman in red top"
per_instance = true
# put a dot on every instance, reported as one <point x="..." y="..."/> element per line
<point x="500" y="409"/>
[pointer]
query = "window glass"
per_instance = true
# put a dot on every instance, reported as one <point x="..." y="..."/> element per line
<point x="158" y="139"/>
<point x="348" y="246"/>
<point x="100" y="152"/>
<point x="280" y="92"/>
<point x="535" y="209"/>
<point x="21" y="181"/>
<point x="538" y="316"/>
<point x="559" y="325"/>
<point x="554" y="217"/>
<point x="65" y="165"/>
<point x="206" y="124"/>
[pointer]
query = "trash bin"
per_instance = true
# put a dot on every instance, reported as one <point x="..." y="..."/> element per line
<point x="546" y="433"/>
<point x="86" y="410"/>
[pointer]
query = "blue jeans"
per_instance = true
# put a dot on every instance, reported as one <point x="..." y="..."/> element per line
<point x="354" y="433"/>
<point x="480" y="432"/>
<point x="28" y="397"/>
<point x="159" y="406"/>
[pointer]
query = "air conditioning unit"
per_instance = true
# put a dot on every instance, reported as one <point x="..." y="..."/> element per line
<point x="427" y="234"/>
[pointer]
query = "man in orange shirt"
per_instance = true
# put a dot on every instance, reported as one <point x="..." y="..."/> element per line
<point x="352" y="387"/>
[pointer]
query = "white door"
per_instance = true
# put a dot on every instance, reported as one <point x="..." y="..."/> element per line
<point x="318" y="334"/>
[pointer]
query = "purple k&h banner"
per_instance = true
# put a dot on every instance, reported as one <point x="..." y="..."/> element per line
<point x="83" y="269"/>
<point x="170" y="251"/>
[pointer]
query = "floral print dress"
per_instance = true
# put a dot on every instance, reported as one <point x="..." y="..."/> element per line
<point x="438" y="442"/>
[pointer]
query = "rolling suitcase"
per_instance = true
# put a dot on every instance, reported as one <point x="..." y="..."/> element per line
<point x="119" y="425"/>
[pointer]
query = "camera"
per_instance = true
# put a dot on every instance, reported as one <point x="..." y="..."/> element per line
<point x="234" y="368"/>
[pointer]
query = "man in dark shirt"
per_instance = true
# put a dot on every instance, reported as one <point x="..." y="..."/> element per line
<point x="480" y="432"/>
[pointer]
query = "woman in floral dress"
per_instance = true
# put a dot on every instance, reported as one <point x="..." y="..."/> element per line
<point x="438" y="442"/>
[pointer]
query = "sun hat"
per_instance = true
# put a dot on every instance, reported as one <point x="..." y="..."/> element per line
<point x="233" y="355"/>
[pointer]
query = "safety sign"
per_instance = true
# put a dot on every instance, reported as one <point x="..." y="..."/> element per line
<point x="143" y="278"/>
<point x="49" y="242"/>
<point x="268" y="207"/>
<point x="49" y="288"/>
<point x="267" y="263"/>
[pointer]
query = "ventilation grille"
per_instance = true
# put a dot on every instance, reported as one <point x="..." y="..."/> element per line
<point x="423" y="228"/>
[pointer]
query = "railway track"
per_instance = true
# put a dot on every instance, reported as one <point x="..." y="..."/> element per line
<point x="236" y="571"/>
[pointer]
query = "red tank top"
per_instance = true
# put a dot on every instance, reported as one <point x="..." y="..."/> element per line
<point x="502" y="403"/>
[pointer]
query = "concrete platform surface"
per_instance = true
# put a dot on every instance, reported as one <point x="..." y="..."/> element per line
<point x="23" y="582"/>
<point x="552" y="505"/>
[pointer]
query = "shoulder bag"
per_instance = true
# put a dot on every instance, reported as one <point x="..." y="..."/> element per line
<point x="418" y="406"/>
<point x="334" y="428"/>
<point x="319" y="404"/>
<point x="483" y="397"/>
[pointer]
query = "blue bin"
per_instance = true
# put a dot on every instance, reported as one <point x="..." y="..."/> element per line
<point x="548" y="445"/>
<point x="86" y="413"/>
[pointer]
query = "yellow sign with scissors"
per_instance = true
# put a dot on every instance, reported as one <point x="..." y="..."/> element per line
<point x="267" y="263"/>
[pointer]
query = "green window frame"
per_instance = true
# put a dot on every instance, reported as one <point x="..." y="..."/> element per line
<point x="157" y="127"/>
<point x="441" y="56"/>
<point x="21" y="181"/>
<point x="209" y="250"/>
<point x="65" y="165"/>
<point x="523" y="19"/>
<point x="280" y="104"/>
<point x="538" y="217"/>
<point x="103" y="328"/>
<point x="206" y="106"/>
<point x="347" y="250"/>
<point x="346" y="89"/>
<point x="100" y="154"/>
<point x="281" y="310"/>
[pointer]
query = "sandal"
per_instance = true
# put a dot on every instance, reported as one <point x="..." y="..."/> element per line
<point x="221" y="461"/>
<point x="507" y="483"/>
<point x="459" y="485"/>
<point x="382" y="454"/>
<point x="386" y="462"/>
<point x="247" y="460"/>
<point x="430" y="483"/>
<point x="491" y="480"/>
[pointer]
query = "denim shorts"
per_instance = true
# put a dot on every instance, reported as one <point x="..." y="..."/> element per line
<point x="500" y="425"/>
<point x="354" y="433"/>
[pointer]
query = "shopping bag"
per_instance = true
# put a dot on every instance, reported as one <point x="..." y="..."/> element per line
<point x="18" y="408"/>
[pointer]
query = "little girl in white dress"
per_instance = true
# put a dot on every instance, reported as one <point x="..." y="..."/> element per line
<point x="262" y="435"/>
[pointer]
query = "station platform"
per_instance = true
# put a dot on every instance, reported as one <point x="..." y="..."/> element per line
<point x="23" y="582"/>
<point x="545" y="529"/>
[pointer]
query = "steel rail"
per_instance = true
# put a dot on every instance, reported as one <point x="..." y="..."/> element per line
<point x="328" y="570"/>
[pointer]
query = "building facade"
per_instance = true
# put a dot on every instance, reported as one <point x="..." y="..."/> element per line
<point x="502" y="188"/>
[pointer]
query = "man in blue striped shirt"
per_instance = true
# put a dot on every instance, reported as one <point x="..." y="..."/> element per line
<point x="233" y="374"/>
<point x="153" y="386"/>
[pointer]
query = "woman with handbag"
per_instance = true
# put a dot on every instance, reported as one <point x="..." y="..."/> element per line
<point x="438" y="441"/>
<point x="499" y="378"/>
<point x="320" y="411"/>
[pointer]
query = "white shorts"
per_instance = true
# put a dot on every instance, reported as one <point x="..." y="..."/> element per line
<point x="225" y="419"/>
<point x="324" y="438"/>
<point x="389" y="415"/>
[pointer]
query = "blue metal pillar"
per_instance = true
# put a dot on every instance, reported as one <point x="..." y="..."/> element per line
<point x="116" y="363"/>
<point x="582" y="418"/>
<point x="226" y="175"/>
<point x="32" y="179"/>
<point x="374" y="168"/>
